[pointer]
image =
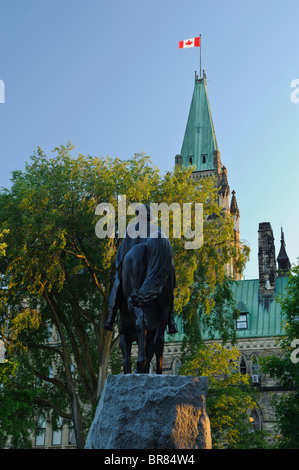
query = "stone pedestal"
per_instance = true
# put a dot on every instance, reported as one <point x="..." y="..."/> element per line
<point x="141" y="411"/>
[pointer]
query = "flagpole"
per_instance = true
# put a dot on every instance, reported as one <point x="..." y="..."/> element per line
<point x="200" y="55"/>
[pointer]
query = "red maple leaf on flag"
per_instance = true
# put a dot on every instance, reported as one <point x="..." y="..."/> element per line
<point x="192" y="42"/>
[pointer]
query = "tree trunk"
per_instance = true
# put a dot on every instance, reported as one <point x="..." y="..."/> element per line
<point x="104" y="358"/>
<point x="77" y="421"/>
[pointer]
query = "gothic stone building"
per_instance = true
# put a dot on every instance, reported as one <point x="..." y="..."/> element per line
<point x="260" y="324"/>
<point x="259" y="327"/>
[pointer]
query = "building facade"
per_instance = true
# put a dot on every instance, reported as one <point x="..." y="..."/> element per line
<point x="260" y="325"/>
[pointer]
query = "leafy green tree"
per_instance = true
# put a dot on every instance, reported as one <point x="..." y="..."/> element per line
<point x="230" y="396"/>
<point x="16" y="408"/>
<point x="286" y="368"/>
<point x="57" y="275"/>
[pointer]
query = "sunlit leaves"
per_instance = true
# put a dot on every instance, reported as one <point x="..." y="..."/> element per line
<point x="230" y="397"/>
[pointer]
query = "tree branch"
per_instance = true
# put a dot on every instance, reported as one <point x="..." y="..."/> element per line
<point x="44" y="402"/>
<point x="53" y="349"/>
<point x="90" y="268"/>
<point x="55" y="381"/>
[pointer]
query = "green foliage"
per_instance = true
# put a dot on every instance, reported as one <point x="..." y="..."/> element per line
<point x="230" y="396"/>
<point x="58" y="275"/>
<point x="211" y="306"/>
<point x="218" y="316"/>
<point x="287" y="371"/>
<point x="3" y="245"/>
<point x="16" y="408"/>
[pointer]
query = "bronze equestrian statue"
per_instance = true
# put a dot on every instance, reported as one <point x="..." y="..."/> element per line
<point x="143" y="294"/>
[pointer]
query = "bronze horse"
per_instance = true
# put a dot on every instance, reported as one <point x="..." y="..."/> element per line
<point x="143" y="294"/>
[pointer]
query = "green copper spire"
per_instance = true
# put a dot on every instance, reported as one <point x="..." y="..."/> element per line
<point x="200" y="141"/>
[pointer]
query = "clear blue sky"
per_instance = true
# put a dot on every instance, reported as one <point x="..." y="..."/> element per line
<point x="109" y="77"/>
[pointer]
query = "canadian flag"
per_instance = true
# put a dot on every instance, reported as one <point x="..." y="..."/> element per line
<point x="193" y="42"/>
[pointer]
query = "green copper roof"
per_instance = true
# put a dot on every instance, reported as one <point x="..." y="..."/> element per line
<point x="264" y="317"/>
<point x="200" y="139"/>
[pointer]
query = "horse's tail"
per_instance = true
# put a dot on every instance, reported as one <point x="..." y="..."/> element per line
<point x="159" y="267"/>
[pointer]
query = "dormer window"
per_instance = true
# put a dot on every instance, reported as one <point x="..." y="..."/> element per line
<point x="204" y="158"/>
<point x="242" y="322"/>
<point x="190" y="159"/>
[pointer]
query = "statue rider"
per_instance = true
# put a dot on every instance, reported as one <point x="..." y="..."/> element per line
<point x="128" y="243"/>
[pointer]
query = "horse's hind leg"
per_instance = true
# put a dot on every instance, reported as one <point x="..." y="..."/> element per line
<point x="141" y="361"/>
<point x="150" y="351"/>
<point x="141" y="340"/>
<point x="125" y="346"/>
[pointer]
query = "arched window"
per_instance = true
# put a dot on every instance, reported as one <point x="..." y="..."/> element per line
<point x="243" y="366"/>
<point x="255" y="420"/>
<point x="255" y="366"/>
<point x="176" y="366"/>
<point x="204" y="158"/>
<point x="255" y="370"/>
<point x="190" y="160"/>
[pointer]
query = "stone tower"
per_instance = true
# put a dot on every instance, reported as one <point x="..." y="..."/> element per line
<point x="200" y="148"/>
<point x="283" y="261"/>
<point x="266" y="260"/>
